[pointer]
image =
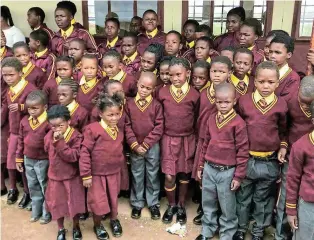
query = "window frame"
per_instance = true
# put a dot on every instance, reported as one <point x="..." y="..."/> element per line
<point x="295" y="30"/>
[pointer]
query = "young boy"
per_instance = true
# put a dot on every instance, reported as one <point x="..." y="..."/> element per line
<point x="136" y="25"/>
<point x="143" y="138"/>
<point x="265" y="116"/>
<point x="189" y="29"/>
<point x="280" y="51"/>
<point x="31" y="157"/>
<point x="151" y="34"/>
<point x="131" y="58"/>
<point x="72" y="8"/>
<point x="203" y="30"/>
<point x="36" y="18"/>
<point x="19" y="88"/>
<point x="31" y="72"/>
<point x="300" y="197"/>
<point x="5" y="51"/>
<point x="41" y="56"/>
<point x="222" y="165"/>
<point x="77" y="49"/>
<point x="200" y="75"/>
<point x="228" y="52"/>
<point x="270" y="36"/>
<point x="204" y="49"/>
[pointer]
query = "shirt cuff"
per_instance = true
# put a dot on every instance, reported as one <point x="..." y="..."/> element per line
<point x="134" y="145"/>
<point x="86" y="178"/>
<point x="19" y="160"/>
<point x="145" y="145"/>
<point x="291" y="209"/>
<point x="284" y="145"/>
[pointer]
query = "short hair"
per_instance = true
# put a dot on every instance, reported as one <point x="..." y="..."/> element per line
<point x="180" y="61"/>
<point x="38" y="12"/>
<point x="20" y="45"/>
<point x="239" y="11"/>
<point x="104" y="101"/>
<point x="273" y="33"/>
<point x="6" y="15"/>
<point x="81" y="42"/>
<point x="37" y="95"/>
<point x="71" y="84"/>
<point x="192" y="22"/>
<point x="90" y="56"/>
<point x="255" y="24"/>
<point x="206" y="39"/>
<point x="201" y="64"/>
<point x="107" y="84"/>
<point x="66" y="59"/>
<point x="229" y="48"/>
<point x="177" y="34"/>
<point x="205" y="28"/>
<point x="12" y="62"/>
<point x="286" y="40"/>
<point x="114" y="20"/>
<point x="243" y="50"/>
<point x="225" y="86"/>
<point x="68" y="5"/>
<point x="131" y="35"/>
<point x="307" y="87"/>
<point x="113" y="53"/>
<point x="312" y="109"/>
<point x="222" y="59"/>
<point x="150" y="11"/>
<point x="58" y="111"/>
<point x="165" y="60"/>
<point x="137" y="18"/>
<point x="41" y="36"/>
<point x="267" y="65"/>
<point x="157" y="49"/>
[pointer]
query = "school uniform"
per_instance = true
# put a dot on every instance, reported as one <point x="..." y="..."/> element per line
<point x="224" y="157"/>
<point x="46" y="61"/>
<point x="34" y="75"/>
<point x="44" y="27"/>
<point x="144" y="127"/>
<point x="244" y="86"/>
<point x="132" y="64"/>
<point x="5" y="52"/>
<point x="145" y="39"/>
<point x="259" y="57"/>
<point x="158" y="88"/>
<point x="60" y="41"/>
<point x="65" y="190"/>
<point x="79" y="116"/>
<point x="101" y="160"/>
<point x="76" y="24"/>
<point x="189" y="55"/>
<point x="107" y="45"/>
<point x="31" y="152"/>
<point x="51" y="90"/>
<point x="212" y="55"/>
<point x="300" y="178"/>
<point x="266" y="124"/>
<point x="225" y="40"/>
<point x="78" y="74"/>
<point x="4" y="122"/>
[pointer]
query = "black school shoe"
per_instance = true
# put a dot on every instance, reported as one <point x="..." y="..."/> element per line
<point x="201" y="237"/>
<point x="238" y="235"/>
<point x="198" y="219"/>
<point x="169" y="213"/>
<point x="77" y="234"/>
<point x="154" y="212"/>
<point x="84" y="216"/>
<point x="136" y="213"/>
<point x="4" y="191"/>
<point x="24" y="201"/>
<point x="116" y="228"/>
<point x="13" y="195"/>
<point x="101" y="233"/>
<point x="256" y="237"/>
<point x="181" y="215"/>
<point x="61" y="234"/>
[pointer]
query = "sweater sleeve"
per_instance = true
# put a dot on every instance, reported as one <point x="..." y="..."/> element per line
<point x="51" y="68"/>
<point x="282" y="127"/>
<point x="292" y="84"/>
<point x="204" y="147"/>
<point x="129" y="134"/>
<point x="41" y="79"/>
<point x="90" y="43"/>
<point x="20" y="145"/>
<point x="85" y="155"/>
<point x="69" y="153"/>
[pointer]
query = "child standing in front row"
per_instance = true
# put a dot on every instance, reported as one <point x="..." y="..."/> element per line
<point x="100" y="164"/>
<point x="181" y="103"/>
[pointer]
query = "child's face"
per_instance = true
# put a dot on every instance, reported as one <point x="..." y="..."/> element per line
<point x="135" y="25"/>
<point x="89" y="68"/>
<point x="3" y="39"/>
<point x="266" y="82"/>
<point x="164" y="73"/>
<point x="227" y="54"/>
<point x="35" y="108"/>
<point x="11" y="76"/>
<point x="278" y="54"/>
<point x="199" y="34"/>
<point x="219" y="73"/>
<point x="111" y="115"/>
<point x="148" y="62"/>
<point x="233" y="23"/>
<point x="33" y="44"/>
<point x="178" y="75"/>
<point x="64" y="69"/>
<point x="76" y="51"/>
<point x="65" y="95"/>
<point x="266" y="47"/>
<point x="111" y="66"/>
<point x="201" y="50"/>
<point x="189" y="32"/>
<point x="63" y="18"/>
<point x="32" y="19"/>
<point x="59" y="125"/>
<point x="111" y="29"/>
<point x="242" y="63"/>
<point x="22" y="55"/>
<point x="247" y="36"/>
<point x="115" y="88"/>
<point x="150" y="21"/>
<point x="129" y="46"/>
<point x="225" y="100"/>
<point x="199" y="77"/>
<point x="172" y="44"/>
<point x="305" y="102"/>
<point x="145" y="86"/>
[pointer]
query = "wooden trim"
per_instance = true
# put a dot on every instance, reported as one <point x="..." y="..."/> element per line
<point x="269" y="16"/>
<point x="85" y="14"/>
<point x="211" y="15"/>
<point x="135" y="8"/>
<point x="296" y="22"/>
<point x="160" y="13"/>
<point x="185" y="12"/>
<point x="109" y="6"/>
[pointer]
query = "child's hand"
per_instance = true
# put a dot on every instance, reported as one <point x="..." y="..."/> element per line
<point x="281" y="155"/>
<point x="293" y="222"/>
<point x="141" y="150"/>
<point x="57" y="135"/>
<point x="235" y="185"/>
<point x="13" y="107"/>
<point x="19" y="167"/>
<point x="310" y="56"/>
<point x="87" y="183"/>
<point x="200" y="174"/>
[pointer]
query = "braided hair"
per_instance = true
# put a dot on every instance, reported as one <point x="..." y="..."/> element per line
<point x="71" y="84"/>
<point x="158" y="50"/>
<point x="104" y="101"/>
<point x="180" y="61"/>
<point x="113" y="53"/>
<point x="66" y="59"/>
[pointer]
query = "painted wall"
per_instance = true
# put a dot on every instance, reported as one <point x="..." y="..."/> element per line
<point x="172" y="15"/>
<point x="283" y="15"/>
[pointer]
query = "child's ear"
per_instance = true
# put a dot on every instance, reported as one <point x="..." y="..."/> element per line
<point x="234" y="101"/>
<point x="256" y="37"/>
<point x="46" y="107"/>
<point x="74" y="95"/>
<point x="312" y="120"/>
<point x="289" y="55"/>
<point x="180" y="46"/>
<point x="121" y="65"/>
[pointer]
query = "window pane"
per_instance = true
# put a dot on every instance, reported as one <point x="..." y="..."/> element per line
<point x="199" y="10"/>
<point x="142" y="6"/>
<point x="97" y="11"/>
<point x="124" y="9"/>
<point x="306" y="18"/>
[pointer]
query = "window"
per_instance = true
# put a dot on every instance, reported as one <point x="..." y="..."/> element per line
<point x="303" y="19"/>
<point x="199" y="10"/>
<point x="259" y="10"/>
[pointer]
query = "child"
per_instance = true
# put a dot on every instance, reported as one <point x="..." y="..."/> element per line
<point x="200" y="75"/>
<point x="204" y="49"/>
<point x="64" y="66"/>
<point x="270" y="36"/>
<point x="189" y="29"/>
<point x="77" y="49"/>
<point x="67" y="32"/>
<point x="143" y="138"/>
<point x="72" y="8"/>
<point x="136" y="25"/>
<point x="228" y="52"/>
<point x="5" y="51"/>
<point x="19" y="88"/>
<point x="250" y="31"/>
<point x="100" y="164"/>
<point x="65" y="191"/>
<point x="36" y="18"/>
<point x="151" y="58"/>
<point x="265" y="116"/>
<point x="300" y="203"/>
<point x="131" y="58"/>
<point x="164" y="76"/>
<point x="235" y="18"/>
<point x="113" y="67"/>
<point x="222" y="165"/>
<point x="31" y="157"/>
<point x="90" y="83"/>
<point x="67" y="93"/>
<point x="180" y="103"/>
<point x="41" y="56"/>
<point x="31" y="72"/>
<point x="203" y="30"/>
<point x="112" y="40"/>
<point x="280" y="51"/>
<point x="151" y="34"/>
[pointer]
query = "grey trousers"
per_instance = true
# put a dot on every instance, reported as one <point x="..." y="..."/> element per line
<point x="36" y="174"/>
<point x="216" y="187"/>
<point x="259" y="185"/>
<point x="306" y="221"/>
<point x="148" y="166"/>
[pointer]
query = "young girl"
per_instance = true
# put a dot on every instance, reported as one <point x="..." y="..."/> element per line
<point x="131" y="58"/>
<point x="64" y="67"/>
<point x="200" y="75"/>
<point x="151" y="58"/>
<point x="65" y="192"/>
<point x="77" y="49"/>
<point x="5" y="51"/>
<point x="164" y="76"/>
<point x="204" y="49"/>
<point x="100" y="164"/>
<point x="181" y="104"/>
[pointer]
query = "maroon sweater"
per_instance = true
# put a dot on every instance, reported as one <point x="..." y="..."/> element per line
<point x="288" y="84"/>
<point x="63" y="155"/>
<point x="7" y="53"/>
<point x="144" y="41"/>
<point x="129" y="84"/>
<point x="79" y="118"/>
<point x="100" y="154"/>
<point x="133" y="67"/>
<point x="31" y="140"/>
<point x="47" y="30"/>
<point x="258" y="58"/>
<point x="144" y="125"/>
<point x="249" y="89"/>
<point x="226" y="144"/>
<point x="180" y="117"/>
<point x="51" y="90"/>
<point x="300" y="177"/>
<point x="102" y="48"/>
<point x="47" y="63"/>
<point x="86" y="97"/>
<point x="36" y="76"/>
<point x="225" y="40"/>
<point x="266" y="131"/>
